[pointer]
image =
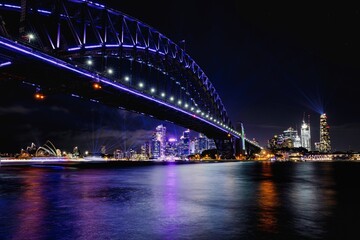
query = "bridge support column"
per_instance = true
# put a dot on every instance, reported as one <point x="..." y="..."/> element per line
<point x="240" y="147"/>
<point x="225" y="148"/>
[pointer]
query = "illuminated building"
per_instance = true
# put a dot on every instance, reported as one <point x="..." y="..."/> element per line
<point x="203" y="143"/>
<point x="211" y="144"/>
<point x="292" y="134"/>
<point x="325" y="145"/>
<point x="184" y="146"/>
<point x="161" y="137"/>
<point x="289" y="139"/>
<point x="155" y="147"/>
<point x="306" y="135"/>
<point x="171" y="147"/>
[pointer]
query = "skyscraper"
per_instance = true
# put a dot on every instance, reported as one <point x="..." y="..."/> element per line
<point x="306" y="135"/>
<point x="184" y="147"/>
<point x="155" y="147"/>
<point x="161" y="137"/>
<point x="325" y="145"/>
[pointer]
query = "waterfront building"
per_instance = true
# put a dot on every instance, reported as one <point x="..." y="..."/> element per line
<point x="161" y="137"/>
<point x="194" y="146"/>
<point x="306" y="135"/>
<point x="202" y="143"/>
<point x="211" y="144"/>
<point x="325" y="144"/>
<point x="171" y="147"/>
<point x="118" y="154"/>
<point x="155" y="147"/>
<point x="184" y="146"/>
<point x="288" y="139"/>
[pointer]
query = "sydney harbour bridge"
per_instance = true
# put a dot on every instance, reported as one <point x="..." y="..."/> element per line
<point x="86" y="50"/>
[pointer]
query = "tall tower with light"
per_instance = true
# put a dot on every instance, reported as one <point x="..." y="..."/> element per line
<point x="161" y="137"/>
<point x="306" y="135"/>
<point x="325" y="144"/>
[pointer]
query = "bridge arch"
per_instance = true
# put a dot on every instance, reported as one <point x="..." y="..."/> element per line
<point x="111" y="45"/>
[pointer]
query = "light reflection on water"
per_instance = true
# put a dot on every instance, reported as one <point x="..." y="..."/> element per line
<point x="245" y="200"/>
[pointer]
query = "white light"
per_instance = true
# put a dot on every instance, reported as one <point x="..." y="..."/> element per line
<point x="152" y="90"/>
<point x="110" y="71"/>
<point x="179" y="102"/>
<point x="186" y="105"/>
<point x="141" y="85"/>
<point x="89" y="62"/>
<point x="202" y="114"/>
<point x="126" y="78"/>
<point x="211" y="118"/>
<point x="207" y="116"/>
<point x="162" y="94"/>
<point x="198" y="111"/>
<point x="31" y="36"/>
<point x="171" y="98"/>
<point x="192" y="109"/>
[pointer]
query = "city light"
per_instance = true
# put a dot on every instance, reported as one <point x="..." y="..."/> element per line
<point x="186" y="105"/>
<point x="110" y="71"/>
<point x="127" y="78"/>
<point x="152" y="90"/>
<point x="171" y="98"/>
<point x="141" y="85"/>
<point x="179" y="102"/>
<point x="162" y="94"/>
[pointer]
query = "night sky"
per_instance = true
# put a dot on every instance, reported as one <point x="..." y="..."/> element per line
<point x="270" y="64"/>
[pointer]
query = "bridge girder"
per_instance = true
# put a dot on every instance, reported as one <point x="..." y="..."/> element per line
<point x="76" y="29"/>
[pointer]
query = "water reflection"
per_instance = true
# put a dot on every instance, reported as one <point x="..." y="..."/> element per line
<point x="170" y="201"/>
<point x="205" y="201"/>
<point x="30" y="217"/>
<point x="268" y="200"/>
<point x="311" y="199"/>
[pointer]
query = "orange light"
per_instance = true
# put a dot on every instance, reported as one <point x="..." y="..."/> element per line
<point x="39" y="96"/>
<point x="96" y="86"/>
<point x="229" y="135"/>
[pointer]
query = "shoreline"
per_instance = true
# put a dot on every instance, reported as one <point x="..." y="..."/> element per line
<point x="99" y="163"/>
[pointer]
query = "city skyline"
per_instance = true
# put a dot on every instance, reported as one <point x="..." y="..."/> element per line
<point x="301" y="76"/>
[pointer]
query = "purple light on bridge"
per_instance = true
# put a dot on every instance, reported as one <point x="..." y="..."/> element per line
<point x="5" y="64"/>
<point x="67" y="66"/>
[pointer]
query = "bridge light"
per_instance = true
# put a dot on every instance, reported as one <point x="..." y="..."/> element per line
<point x="171" y="98"/>
<point x="110" y="71"/>
<point x="186" y="105"/>
<point x="207" y="116"/>
<point x="152" y="90"/>
<point x="127" y="78"/>
<point x="202" y="114"/>
<point x="229" y="135"/>
<point x="141" y="85"/>
<point x="198" y="111"/>
<point x="31" y="36"/>
<point x="163" y="94"/>
<point x="211" y="118"/>
<point x="96" y="86"/>
<point x="89" y="62"/>
<point x="39" y="96"/>
<point x="192" y="109"/>
<point x="179" y="102"/>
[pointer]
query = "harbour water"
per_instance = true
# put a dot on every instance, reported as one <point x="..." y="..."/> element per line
<point x="234" y="200"/>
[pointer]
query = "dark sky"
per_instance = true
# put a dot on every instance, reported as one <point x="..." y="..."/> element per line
<point x="269" y="63"/>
